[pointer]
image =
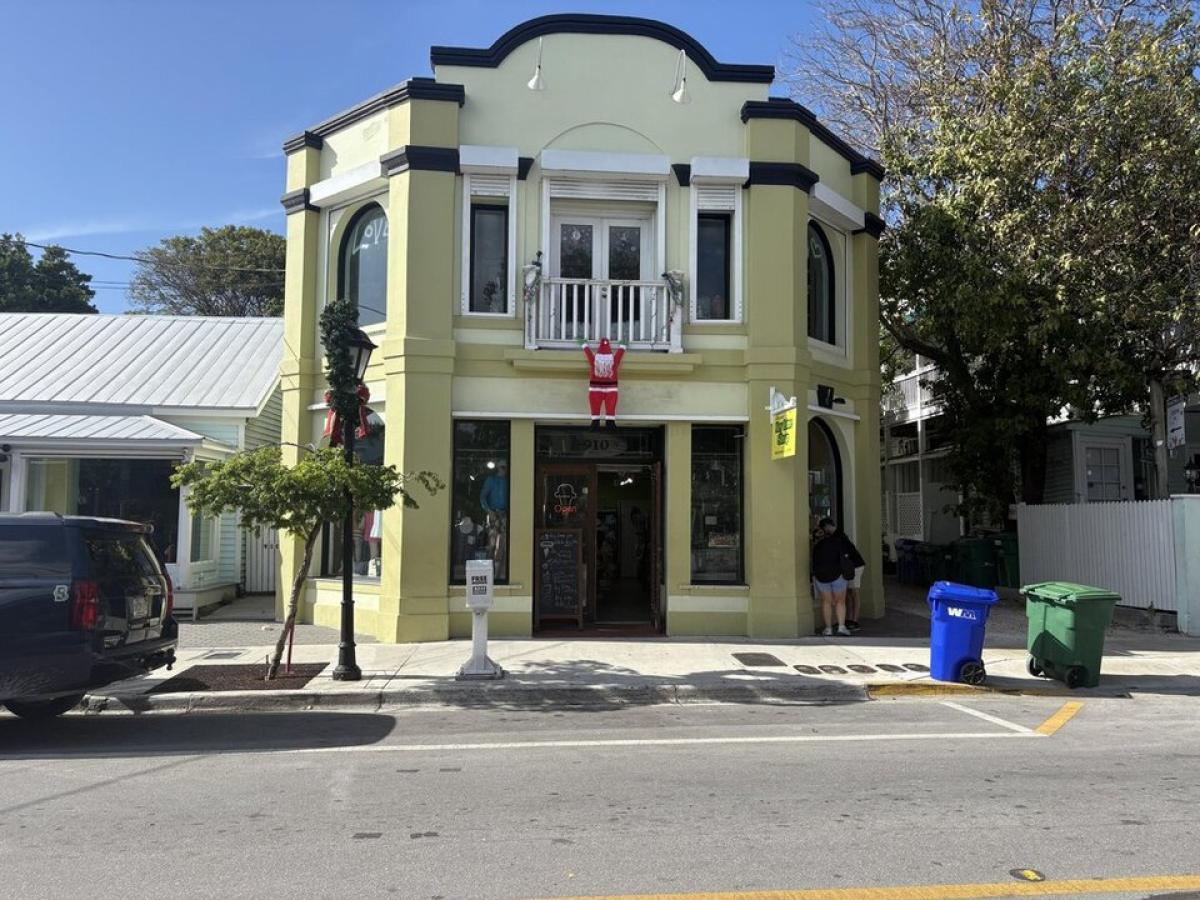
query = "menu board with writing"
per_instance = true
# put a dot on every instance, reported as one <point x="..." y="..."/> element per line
<point x="559" y="555"/>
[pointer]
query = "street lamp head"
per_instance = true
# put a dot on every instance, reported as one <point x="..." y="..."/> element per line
<point x="360" y="347"/>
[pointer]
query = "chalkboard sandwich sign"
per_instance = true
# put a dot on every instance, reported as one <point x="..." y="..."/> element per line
<point x="559" y="584"/>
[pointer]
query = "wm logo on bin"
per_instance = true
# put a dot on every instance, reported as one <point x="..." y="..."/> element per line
<point x="959" y="613"/>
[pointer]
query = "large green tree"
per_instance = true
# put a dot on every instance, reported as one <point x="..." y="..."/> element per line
<point x="1042" y="169"/>
<point x="230" y="271"/>
<point x="52" y="284"/>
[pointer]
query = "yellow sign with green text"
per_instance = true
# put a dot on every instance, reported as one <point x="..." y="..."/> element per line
<point x="783" y="433"/>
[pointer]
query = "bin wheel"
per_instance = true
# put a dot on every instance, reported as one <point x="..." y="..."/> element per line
<point x="1034" y="667"/>
<point x="1074" y="677"/>
<point x="972" y="673"/>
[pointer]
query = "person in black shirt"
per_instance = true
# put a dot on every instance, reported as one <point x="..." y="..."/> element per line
<point x="830" y="564"/>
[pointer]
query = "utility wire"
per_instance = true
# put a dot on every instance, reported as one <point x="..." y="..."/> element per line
<point x="148" y="260"/>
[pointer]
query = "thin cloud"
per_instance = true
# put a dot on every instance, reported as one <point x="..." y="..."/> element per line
<point x="40" y="234"/>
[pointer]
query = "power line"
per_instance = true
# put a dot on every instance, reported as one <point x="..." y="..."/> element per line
<point x="149" y="261"/>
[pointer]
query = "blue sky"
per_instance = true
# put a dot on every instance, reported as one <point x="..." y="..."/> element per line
<point x="126" y="121"/>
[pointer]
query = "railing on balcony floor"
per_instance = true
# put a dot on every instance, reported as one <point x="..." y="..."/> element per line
<point x="642" y="315"/>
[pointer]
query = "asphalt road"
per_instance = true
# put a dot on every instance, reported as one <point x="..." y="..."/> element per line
<point x="668" y="799"/>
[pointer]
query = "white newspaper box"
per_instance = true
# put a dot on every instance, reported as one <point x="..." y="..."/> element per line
<point x="480" y="599"/>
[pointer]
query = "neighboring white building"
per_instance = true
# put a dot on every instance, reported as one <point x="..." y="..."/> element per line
<point x="96" y="412"/>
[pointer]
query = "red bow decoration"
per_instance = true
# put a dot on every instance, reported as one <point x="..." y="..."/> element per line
<point x="333" y="423"/>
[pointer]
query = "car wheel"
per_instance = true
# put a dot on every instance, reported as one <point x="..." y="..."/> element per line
<point x="43" y="709"/>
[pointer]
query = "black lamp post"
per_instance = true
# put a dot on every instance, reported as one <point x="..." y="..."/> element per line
<point x="359" y="348"/>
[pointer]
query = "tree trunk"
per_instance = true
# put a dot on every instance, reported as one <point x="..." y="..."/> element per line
<point x="1158" y="437"/>
<point x="1031" y="449"/>
<point x="293" y="604"/>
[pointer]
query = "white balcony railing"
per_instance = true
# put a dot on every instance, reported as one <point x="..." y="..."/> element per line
<point x="642" y="315"/>
<point x="906" y="399"/>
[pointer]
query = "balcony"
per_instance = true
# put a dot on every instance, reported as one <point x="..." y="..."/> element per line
<point x="642" y="315"/>
<point x="907" y="400"/>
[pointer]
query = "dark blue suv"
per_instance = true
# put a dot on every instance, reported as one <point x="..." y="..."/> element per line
<point x="84" y="602"/>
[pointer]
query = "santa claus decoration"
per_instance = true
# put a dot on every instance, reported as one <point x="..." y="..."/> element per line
<point x="602" y="384"/>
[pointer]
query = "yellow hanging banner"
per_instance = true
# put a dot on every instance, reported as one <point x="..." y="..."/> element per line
<point x="783" y="425"/>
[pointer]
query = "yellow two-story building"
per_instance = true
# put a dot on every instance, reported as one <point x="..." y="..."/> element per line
<point x="591" y="177"/>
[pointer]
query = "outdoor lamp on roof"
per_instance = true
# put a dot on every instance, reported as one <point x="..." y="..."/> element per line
<point x="535" y="83"/>
<point x="679" y="91"/>
<point x="360" y="347"/>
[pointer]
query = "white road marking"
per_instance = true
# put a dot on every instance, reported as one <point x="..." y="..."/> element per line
<point x="665" y="742"/>
<point x="995" y="720"/>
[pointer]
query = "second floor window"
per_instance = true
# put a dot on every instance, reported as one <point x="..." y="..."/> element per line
<point x="362" y="273"/>
<point x="713" y="285"/>
<point x="822" y="307"/>
<point x="489" y="258"/>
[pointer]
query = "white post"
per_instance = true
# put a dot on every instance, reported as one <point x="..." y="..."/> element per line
<point x="480" y="598"/>
<point x="1185" y="512"/>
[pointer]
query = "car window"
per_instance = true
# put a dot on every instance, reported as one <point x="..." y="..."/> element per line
<point x="33" y="551"/>
<point x="115" y="555"/>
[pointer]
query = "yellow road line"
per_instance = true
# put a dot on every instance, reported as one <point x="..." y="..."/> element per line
<point x="1060" y="718"/>
<point x="948" y="891"/>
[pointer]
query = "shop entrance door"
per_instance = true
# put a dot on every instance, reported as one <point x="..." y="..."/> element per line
<point x="598" y="538"/>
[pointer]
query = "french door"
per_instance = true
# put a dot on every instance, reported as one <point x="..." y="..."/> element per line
<point x="596" y="248"/>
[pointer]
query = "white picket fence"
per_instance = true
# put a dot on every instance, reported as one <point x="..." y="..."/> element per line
<point x="1125" y="547"/>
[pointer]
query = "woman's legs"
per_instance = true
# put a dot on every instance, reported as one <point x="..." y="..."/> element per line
<point x="839" y="602"/>
<point x="827" y="607"/>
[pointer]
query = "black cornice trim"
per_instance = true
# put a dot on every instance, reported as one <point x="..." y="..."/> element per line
<point x="683" y="173"/>
<point x="579" y="23"/>
<point x="783" y="108"/>
<point x="420" y="159"/>
<point x="524" y="164"/>
<point x="872" y="225"/>
<point x="784" y="173"/>
<point x="302" y="140"/>
<point x="413" y="89"/>
<point x="297" y="201"/>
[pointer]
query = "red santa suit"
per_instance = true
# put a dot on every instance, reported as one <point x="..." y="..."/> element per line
<point x="602" y="384"/>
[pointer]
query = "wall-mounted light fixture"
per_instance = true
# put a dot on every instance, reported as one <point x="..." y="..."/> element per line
<point x="535" y="83"/>
<point x="679" y="91"/>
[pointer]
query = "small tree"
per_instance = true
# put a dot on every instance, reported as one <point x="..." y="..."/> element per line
<point x="51" y="285"/>
<point x="298" y="500"/>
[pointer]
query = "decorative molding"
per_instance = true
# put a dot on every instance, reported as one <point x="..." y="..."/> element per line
<point x="717" y="169"/>
<point x="783" y="108"/>
<point x="790" y="174"/>
<point x="413" y="89"/>
<point x="588" y="163"/>
<point x="420" y="159"/>
<point x="578" y="23"/>
<point x="486" y="160"/>
<point x="872" y="225"/>
<point x="524" y="164"/>
<point x="302" y="140"/>
<point x="683" y="173"/>
<point x="297" y="201"/>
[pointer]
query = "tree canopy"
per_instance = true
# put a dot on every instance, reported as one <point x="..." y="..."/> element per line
<point x="230" y="271"/>
<point x="51" y="285"/>
<point x="1044" y="172"/>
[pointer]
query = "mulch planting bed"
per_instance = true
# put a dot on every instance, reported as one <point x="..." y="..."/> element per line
<point x="238" y="678"/>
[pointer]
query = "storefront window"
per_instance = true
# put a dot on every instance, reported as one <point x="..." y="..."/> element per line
<point x="138" y="490"/>
<point x="362" y="277"/>
<point x="824" y="475"/>
<point x="367" y="525"/>
<point x="717" y="526"/>
<point x="479" y="497"/>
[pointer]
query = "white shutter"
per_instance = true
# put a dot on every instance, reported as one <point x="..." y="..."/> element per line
<point x="715" y="196"/>
<point x="568" y="189"/>
<point x="490" y="185"/>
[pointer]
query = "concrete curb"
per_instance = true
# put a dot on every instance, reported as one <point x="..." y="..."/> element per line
<point x="476" y="696"/>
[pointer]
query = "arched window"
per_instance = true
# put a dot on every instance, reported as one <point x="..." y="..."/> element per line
<point x="362" y="273"/>
<point x="824" y="475"/>
<point x="821" y="306"/>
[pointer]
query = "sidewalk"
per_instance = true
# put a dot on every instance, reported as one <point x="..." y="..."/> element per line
<point x="615" y="673"/>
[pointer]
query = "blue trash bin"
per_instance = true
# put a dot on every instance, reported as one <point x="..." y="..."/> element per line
<point x="959" y="618"/>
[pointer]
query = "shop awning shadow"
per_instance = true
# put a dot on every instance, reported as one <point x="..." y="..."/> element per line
<point x="85" y="736"/>
<point x="595" y="686"/>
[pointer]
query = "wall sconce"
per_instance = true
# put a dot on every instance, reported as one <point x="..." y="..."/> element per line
<point x="679" y="91"/>
<point x="535" y="83"/>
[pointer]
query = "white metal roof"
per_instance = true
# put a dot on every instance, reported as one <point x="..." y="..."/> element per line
<point x="148" y="363"/>
<point x="58" y="428"/>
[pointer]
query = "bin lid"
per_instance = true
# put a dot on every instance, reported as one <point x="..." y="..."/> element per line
<point x="1068" y="591"/>
<point x="961" y="593"/>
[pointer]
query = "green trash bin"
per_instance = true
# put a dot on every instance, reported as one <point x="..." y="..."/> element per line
<point x="975" y="562"/>
<point x="1008" y="559"/>
<point x="1066" y="630"/>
